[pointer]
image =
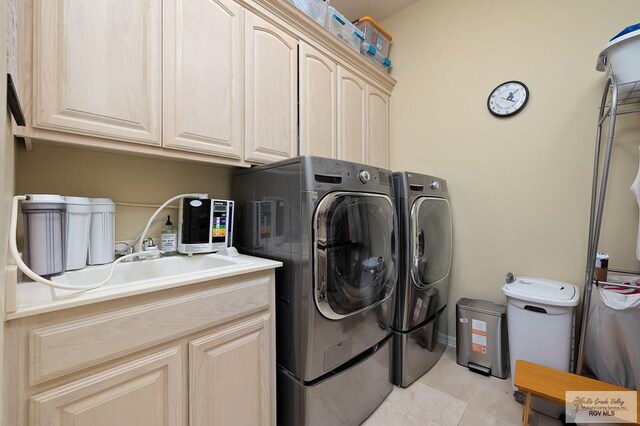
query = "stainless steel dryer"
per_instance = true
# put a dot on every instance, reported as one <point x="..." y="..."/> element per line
<point x="332" y="225"/>
<point x="420" y="325"/>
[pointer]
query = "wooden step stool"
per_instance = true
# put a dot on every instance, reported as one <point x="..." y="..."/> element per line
<point x="551" y="384"/>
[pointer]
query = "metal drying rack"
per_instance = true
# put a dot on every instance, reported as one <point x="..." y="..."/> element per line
<point x="623" y="99"/>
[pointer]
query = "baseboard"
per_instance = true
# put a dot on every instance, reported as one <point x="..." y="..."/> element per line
<point x="450" y="341"/>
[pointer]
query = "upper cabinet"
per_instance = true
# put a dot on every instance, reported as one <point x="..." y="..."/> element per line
<point x="217" y="81"/>
<point x="97" y="68"/>
<point x="318" y="103"/>
<point x="341" y="115"/>
<point x="271" y="92"/>
<point x="377" y="127"/>
<point x="351" y="116"/>
<point x="203" y="79"/>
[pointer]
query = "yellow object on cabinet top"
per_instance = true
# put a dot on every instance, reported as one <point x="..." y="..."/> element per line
<point x="378" y="27"/>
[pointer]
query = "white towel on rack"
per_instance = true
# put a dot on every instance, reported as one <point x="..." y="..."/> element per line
<point x="635" y="188"/>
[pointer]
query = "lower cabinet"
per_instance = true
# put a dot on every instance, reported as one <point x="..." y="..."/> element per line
<point x="202" y="357"/>
<point x="229" y="376"/>
<point x="147" y="391"/>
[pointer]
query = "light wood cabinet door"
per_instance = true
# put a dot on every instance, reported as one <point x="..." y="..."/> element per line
<point x="148" y="391"/>
<point x="98" y="68"/>
<point x="270" y="92"/>
<point x="351" y="116"/>
<point x="203" y="98"/>
<point x="230" y="376"/>
<point x="318" y="103"/>
<point x="377" y="127"/>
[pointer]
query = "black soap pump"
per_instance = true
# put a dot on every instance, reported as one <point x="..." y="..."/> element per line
<point x="169" y="239"/>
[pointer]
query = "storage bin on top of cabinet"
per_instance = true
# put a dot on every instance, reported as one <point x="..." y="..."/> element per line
<point x="316" y="9"/>
<point x="374" y="34"/>
<point x="375" y="56"/>
<point x="343" y="29"/>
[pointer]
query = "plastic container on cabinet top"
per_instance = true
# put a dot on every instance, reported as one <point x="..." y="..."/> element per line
<point x="620" y="56"/>
<point x="374" y="34"/>
<point x="316" y="9"/>
<point x="375" y="56"/>
<point x="343" y="29"/>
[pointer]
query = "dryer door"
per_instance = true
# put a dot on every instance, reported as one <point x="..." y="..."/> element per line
<point x="431" y="239"/>
<point x="354" y="252"/>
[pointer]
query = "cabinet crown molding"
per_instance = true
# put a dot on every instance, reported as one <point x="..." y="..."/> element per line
<point x="311" y="30"/>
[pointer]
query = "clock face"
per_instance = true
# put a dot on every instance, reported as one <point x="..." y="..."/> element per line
<point x="508" y="99"/>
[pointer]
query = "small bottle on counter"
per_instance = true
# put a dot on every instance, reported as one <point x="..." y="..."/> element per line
<point x="168" y="239"/>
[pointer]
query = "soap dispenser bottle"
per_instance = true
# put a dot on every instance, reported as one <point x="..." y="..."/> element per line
<point x="168" y="239"/>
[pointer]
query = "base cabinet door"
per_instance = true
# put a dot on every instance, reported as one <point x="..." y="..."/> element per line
<point x="148" y="391"/>
<point x="203" y="97"/>
<point x="271" y="82"/>
<point x="377" y="127"/>
<point x="97" y="68"/>
<point x="318" y="103"/>
<point x="230" y="376"/>
<point x="351" y="116"/>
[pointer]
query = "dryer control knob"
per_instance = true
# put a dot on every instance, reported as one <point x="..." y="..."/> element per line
<point x="364" y="176"/>
<point x="434" y="185"/>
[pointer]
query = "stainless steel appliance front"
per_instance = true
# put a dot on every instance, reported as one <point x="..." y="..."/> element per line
<point x="322" y="220"/>
<point x="353" y="261"/>
<point x="420" y="326"/>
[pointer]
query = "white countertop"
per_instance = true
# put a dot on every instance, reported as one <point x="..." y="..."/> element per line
<point x="35" y="298"/>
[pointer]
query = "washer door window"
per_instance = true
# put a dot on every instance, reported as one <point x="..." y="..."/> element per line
<point x="354" y="262"/>
<point x="431" y="240"/>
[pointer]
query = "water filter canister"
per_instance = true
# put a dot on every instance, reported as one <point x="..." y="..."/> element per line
<point x="102" y="231"/>
<point x="78" y="221"/>
<point x="43" y="221"/>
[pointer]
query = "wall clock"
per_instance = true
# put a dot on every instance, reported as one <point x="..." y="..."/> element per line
<point x="508" y="99"/>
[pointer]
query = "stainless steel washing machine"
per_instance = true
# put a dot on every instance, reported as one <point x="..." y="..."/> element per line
<point x="420" y="325"/>
<point x="332" y="224"/>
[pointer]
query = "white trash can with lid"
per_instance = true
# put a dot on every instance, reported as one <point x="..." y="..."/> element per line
<point x="541" y="321"/>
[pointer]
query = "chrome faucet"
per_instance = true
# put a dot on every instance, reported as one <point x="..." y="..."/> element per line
<point x="147" y="242"/>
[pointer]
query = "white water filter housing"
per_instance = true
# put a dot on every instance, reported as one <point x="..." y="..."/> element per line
<point x="102" y="240"/>
<point x="78" y="221"/>
<point x="43" y="220"/>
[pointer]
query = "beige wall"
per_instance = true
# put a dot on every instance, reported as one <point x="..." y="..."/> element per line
<point x="49" y="169"/>
<point x="520" y="187"/>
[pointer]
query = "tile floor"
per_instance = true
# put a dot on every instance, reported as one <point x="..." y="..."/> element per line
<point x="452" y="395"/>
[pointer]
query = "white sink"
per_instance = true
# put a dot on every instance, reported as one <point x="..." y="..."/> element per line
<point x="130" y="279"/>
<point x="167" y="268"/>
